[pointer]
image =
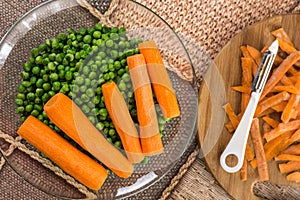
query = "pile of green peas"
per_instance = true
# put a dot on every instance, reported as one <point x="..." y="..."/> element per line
<point x="77" y="64"/>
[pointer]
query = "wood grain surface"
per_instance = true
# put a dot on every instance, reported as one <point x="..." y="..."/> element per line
<point x="216" y="91"/>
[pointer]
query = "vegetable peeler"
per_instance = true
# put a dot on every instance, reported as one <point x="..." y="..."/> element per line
<point x="237" y="144"/>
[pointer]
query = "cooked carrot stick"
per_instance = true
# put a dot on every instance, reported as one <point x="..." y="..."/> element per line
<point x="71" y="120"/>
<point x="275" y="146"/>
<point x="161" y="82"/>
<point x="289" y="167"/>
<point x="293" y="71"/>
<point x="67" y="157"/>
<point x="289" y="88"/>
<point x="279" y="107"/>
<point x="255" y="54"/>
<point x="259" y="150"/>
<point x="286" y="81"/>
<point x="247" y="65"/>
<point x="266" y="112"/>
<point x="289" y="157"/>
<point x="291" y="105"/>
<point x="282" y="128"/>
<point x="149" y="132"/>
<point x="249" y="154"/>
<point x="293" y="149"/>
<point x="230" y="127"/>
<point x="295" y="176"/>
<point x="231" y="115"/>
<point x="280" y="33"/>
<point x="272" y="122"/>
<point x="272" y="101"/>
<point x="122" y="121"/>
<point x="242" y="89"/>
<point x="245" y="52"/>
<point x="285" y="46"/>
<point x="279" y="72"/>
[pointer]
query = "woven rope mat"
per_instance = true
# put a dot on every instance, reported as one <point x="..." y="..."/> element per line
<point x="210" y="24"/>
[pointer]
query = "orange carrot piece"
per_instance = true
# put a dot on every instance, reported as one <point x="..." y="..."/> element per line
<point x="272" y="122"/>
<point x="271" y="101"/>
<point x="282" y="128"/>
<point x="245" y="52"/>
<point x="149" y="132"/>
<point x="293" y="149"/>
<point x="230" y="127"/>
<point x="259" y="150"/>
<point x="249" y="154"/>
<point x="279" y="107"/>
<point x="295" y="176"/>
<point x="286" y="81"/>
<point x="280" y="33"/>
<point x="247" y="65"/>
<point x="279" y="72"/>
<point x="285" y="46"/>
<point x="66" y="156"/>
<point x="293" y="71"/>
<point x="231" y="115"/>
<point x="255" y="54"/>
<point x="66" y="115"/>
<point x="289" y="157"/>
<point x="275" y="146"/>
<point x="242" y="89"/>
<point x="289" y="88"/>
<point x="122" y="121"/>
<point x="289" y="167"/>
<point x="291" y="105"/>
<point x="266" y="112"/>
<point x="160" y="79"/>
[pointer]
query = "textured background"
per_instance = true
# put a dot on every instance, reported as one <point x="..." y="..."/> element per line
<point x="210" y="24"/>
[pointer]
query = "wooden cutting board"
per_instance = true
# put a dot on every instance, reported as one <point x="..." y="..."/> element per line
<point x="216" y="90"/>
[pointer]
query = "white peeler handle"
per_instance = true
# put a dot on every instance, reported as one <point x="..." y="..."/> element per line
<point x="237" y="144"/>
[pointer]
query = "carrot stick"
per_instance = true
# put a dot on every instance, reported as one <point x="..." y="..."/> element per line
<point x="293" y="71"/>
<point x="293" y="149"/>
<point x="231" y="115"/>
<point x="161" y="82"/>
<point x="284" y="157"/>
<point x="272" y="122"/>
<point x="255" y="54"/>
<point x="149" y="132"/>
<point x="289" y="88"/>
<point x="286" y="81"/>
<point x="245" y="52"/>
<point x="286" y="47"/>
<point x="230" y="127"/>
<point x="272" y="101"/>
<point x="266" y="112"/>
<point x="279" y="107"/>
<point x="266" y="128"/>
<point x="279" y="72"/>
<point x="247" y="65"/>
<point x="280" y="33"/>
<point x="249" y="154"/>
<point x="275" y="146"/>
<point x="295" y="176"/>
<point x="72" y="121"/>
<point x="242" y="89"/>
<point x="259" y="150"/>
<point x="282" y="128"/>
<point x="122" y="121"/>
<point x="67" y="157"/>
<point x="289" y="167"/>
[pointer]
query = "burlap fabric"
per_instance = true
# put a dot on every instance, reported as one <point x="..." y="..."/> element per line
<point x="210" y="24"/>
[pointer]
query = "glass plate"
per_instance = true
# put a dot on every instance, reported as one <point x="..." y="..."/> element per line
<point x="56" y="16"/>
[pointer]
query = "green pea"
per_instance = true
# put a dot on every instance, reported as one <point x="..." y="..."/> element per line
<point x="19" y="102"/>
<point x="55" y="43"/>
<point x="69" y="57"/>
<point x="46" y="121"/>
<point x="87" y="39"/>
<point x="145" y="160"/>
<point x="61" y="74"/>
<point x="53" y="76"/>
<point x="82" y="88"/>
<point x="42" y="47"/>
<point x="68" y="75"/>
<point x="39" y="92"/>
<point x="92" y="75"/>
<point x="92" y="119"/>
<point x="65" y="88"/>
<point x="26" y="84"/>
<point x="27" y="67"/>
<point x="78" y="101"/>
<point x="109" y="140"/>
<point x="121" y="71"/>
<point x="46" y="86"/>
<point x="20" y="110"/>
<point x="62" y="37"/>
<point x="35" y="52"/>
<point x="30" y="96"/>
<point x="37" y="100"/>
<point x="46" y="61"/>
<point x="111" y="132"/>
<point x="21" y="96"/>
<point x="40" y="117"/>
<point x="126" y="77"/>
<point x="51" y="66"/>
<point x="97" y="34"/>
<point x="35" y="70"/>
<point x="122" y="85"/>
<point x="29" y="108"/>
<point x="45" y="78"/>
<point x="103" y="112"/>
<point x="82" y="31"/>
<point x="56" y="86"/>
<point x="22" y="119"/>
<point x="38" y="107"/>
<point x="118" y="144"/>
<point x="98" y="91"/>
<point x="35" y="113"/>
<point x="39" y="60"/>
<point x="85" y="109"/>
<point x="100" y="125"/>
<point x="39" y="83"/>
<point x="51" y="93"/>
<point x="85" y="98"/>
<point x="90" y="92"/>
<point x="109" y="43"/>
<point x="75" y="88"/>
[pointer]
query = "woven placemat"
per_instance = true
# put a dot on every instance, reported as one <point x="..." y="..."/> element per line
<point x="208" y="23"/>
